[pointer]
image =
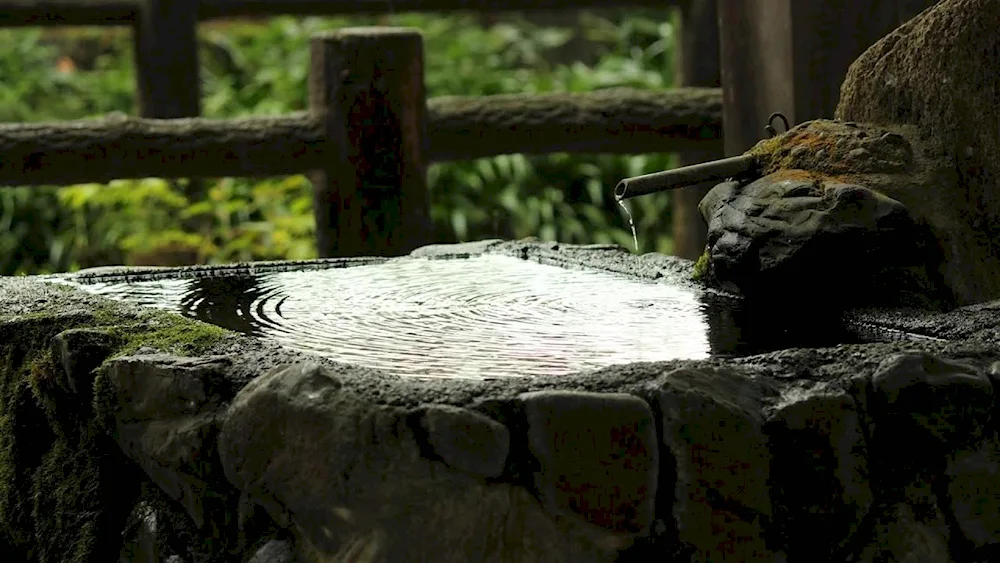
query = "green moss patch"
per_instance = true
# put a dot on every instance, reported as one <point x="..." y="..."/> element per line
<point x="701" y="266"/>
<point x="166" y="332"/>
<point x="66" y="489"/>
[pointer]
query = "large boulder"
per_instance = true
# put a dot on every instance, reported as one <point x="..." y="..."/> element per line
<point x="917" y="127"/>
<point x="940" y="73"/>
<point x="844" y="210"/>
<point x="793" y="232"/>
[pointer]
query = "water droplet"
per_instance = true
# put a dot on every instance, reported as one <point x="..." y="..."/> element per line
<point x="631" y="223"/>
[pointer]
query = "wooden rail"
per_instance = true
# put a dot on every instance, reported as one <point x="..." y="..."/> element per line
<point x="619" y="121"/>
<point x="697" y="65"/>
<point x="123" y="12"/>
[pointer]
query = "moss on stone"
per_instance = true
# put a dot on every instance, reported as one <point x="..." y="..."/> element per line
<point x="43" y="380"/>
<point x="835" y="151"/>
<point x="81" y="495"/>
<point x="25" y="435"/>
<point x="63" y="494"/>
<point x="163" y="331"/>
<point x="701" y="266"/>
<point x="938" y="74"/>
<point x="103" y="420"/>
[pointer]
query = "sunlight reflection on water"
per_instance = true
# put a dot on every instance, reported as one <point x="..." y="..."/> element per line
<point x="488" y="316"/>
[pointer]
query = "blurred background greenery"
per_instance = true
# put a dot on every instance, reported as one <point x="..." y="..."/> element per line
<point x="259" y="68"/>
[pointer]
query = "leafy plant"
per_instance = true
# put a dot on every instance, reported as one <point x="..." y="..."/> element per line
<point x="252" y="68"/>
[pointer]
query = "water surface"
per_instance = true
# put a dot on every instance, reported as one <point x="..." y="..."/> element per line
<point x="487" y="316"/>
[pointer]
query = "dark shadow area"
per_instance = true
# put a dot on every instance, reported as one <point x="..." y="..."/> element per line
<point x="742" y="328"/>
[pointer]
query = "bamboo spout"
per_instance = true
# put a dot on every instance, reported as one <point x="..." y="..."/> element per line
<point x="713" y="171"/>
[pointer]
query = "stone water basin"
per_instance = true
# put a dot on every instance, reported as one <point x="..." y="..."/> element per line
<point x="493" y="311"/>
<point x="211" y="442"/>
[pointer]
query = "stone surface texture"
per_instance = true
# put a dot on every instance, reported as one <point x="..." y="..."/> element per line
<point x="796" y="233"/>
<point x="136" y="435"/>
<point x="900" y="189"/>
<point x="938" y="75"/>
<point x="846" y="205"/>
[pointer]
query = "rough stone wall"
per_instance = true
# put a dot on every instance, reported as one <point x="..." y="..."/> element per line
<point x="140" y="436"/>
<point x="940" y="73"/>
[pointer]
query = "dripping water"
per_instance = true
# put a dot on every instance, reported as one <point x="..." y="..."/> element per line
<point x="631" y="223"/>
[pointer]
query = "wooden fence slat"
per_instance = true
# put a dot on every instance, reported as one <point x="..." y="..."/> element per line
<point x="621" y="121"/>
<point x="755" y="38"/>
<point x="223" y="8"/>
<point x="166" y="55"/>
<point x="168" y="78"/>
<point x="791" y="56"/>
<point x="67" y="12"/>
<point x="366" y="87"/>
<point x="100" y="150"/>
<point x="698" y="65"/>
<point x="121" y="12"/>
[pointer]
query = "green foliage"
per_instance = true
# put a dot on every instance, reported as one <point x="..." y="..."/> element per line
<point x="251" y="68"/>
<point x="39" y="83"/>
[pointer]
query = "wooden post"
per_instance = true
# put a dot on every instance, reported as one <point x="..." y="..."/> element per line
<point x="755" y="50"/>
<point x="828" y="36"/>
<point x="366" y="86"/>
<point x="166" y="66"/>
<point x="166" y="58"/>
<point x="791" y="56"/>
<point x="697" y="65"/>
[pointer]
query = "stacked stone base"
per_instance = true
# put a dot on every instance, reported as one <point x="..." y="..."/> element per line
<point x="139" y="436"/>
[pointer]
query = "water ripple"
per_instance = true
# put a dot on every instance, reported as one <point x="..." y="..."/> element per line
<point x="489" y="316"/>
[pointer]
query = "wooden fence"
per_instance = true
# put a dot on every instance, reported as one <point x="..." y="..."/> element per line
<point x="369" y="134"/>
<point x="119" y="12"/>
